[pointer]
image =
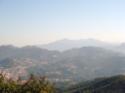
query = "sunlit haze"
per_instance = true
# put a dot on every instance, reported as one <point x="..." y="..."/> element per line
<point x="31" y="22"/>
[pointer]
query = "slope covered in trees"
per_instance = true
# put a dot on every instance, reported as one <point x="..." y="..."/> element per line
<point x="115" y="84"/>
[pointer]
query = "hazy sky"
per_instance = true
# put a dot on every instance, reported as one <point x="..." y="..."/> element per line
<point x="24" y="22"/>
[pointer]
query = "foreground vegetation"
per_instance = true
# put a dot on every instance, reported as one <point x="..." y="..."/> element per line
<point x="37" y="84"/>
<point x="32" y="85"/>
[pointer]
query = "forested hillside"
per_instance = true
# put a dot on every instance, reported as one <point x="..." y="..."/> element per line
<point x="115" y="84"/>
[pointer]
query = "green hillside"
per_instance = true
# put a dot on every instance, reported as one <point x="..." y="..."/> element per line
<point x="115" y="84"/>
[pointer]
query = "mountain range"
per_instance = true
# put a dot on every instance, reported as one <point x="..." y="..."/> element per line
<point x="66" y="44"/>
<point x="87" y="62"/>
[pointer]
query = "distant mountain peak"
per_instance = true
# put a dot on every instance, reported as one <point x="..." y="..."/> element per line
<point x="65" y="44"/>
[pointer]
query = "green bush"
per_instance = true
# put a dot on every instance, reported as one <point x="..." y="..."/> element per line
<point x="33" y="84"/>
